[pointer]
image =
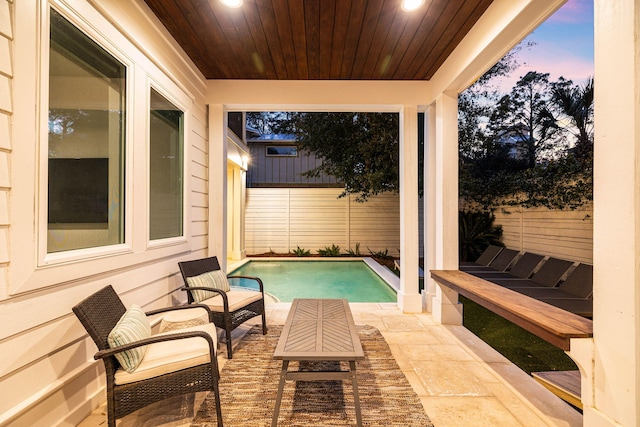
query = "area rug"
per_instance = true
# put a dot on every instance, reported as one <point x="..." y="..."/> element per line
<point x="249" y="383"/>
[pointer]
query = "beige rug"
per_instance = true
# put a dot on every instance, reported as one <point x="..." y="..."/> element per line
<point x="249" y="384"/>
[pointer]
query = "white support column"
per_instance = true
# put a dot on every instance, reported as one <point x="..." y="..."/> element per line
<point x="446" y="308"/>
<point x="218" y="183"/>
<point x="235" y="216"/>
<point x="409" y="299"/>
<point x="616" y="225"/>
<point x="238" y="213"/>
<point x="429" y="201"/>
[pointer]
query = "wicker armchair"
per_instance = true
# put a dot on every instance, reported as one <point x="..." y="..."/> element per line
<point x="100" y="312"/>
<point x="228" y="309"/>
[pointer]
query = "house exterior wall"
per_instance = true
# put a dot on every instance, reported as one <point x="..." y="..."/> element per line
<point x="272" y="171"/>
<point x="47" y="372"/>
<point x="566" y="234"/>
<point x="281" y="219"/>
<point x="6" y="75"/>
<point x="48" y="376"/>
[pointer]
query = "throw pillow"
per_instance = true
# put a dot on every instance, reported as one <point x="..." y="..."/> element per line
<point x="212" y="279"/>
<point x="132" y="326"/>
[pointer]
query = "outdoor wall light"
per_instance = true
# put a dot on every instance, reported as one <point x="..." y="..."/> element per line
<point x="232" y="3"/>
<point x="411" y="5"/>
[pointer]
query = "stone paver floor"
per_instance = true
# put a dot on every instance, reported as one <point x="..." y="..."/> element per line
<point x="461" y="381"/>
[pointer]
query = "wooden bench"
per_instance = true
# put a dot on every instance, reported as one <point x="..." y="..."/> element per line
<point x="564" y="384"/>
<point x="550" y="323"/>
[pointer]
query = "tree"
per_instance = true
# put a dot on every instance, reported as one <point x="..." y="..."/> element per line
<point x="575" y="105"/>
<point x="360" y="149"/>
<point x="486" y="168"/>
<point x="265" y="121"/>
<point x="527" y="112"/>
<point x="477" y="103"/>
<point x="543" y="116"/>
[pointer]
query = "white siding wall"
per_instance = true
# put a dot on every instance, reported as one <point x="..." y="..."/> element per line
<point x="47" y="372"/>
<point x="280" y="219"/>
<point x="564" y="234"/>
<point x="6" y="74"/>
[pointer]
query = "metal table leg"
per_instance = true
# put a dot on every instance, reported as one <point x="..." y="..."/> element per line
<point x="276" y="410"/>
<point x="356" y="396"/>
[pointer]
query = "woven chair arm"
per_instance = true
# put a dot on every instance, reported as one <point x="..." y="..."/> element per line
<point x="223" y="294"/>
<point x="257" y="279"/>
<point x="203" y="288"/>
<point x="155" y="339"/>
<point x="181" y="307"/>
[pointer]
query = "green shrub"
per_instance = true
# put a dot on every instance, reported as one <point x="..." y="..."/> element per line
<point x="334" y="250"/>
<point x="301" y="252"/>
<point x="380" y="254"/>
<point x="355" y="252"/>
<point x="476" y="232"/>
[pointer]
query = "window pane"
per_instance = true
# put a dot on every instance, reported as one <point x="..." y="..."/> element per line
<point x="282" y="151"/>
<point x="86" y="141"/>
<point x="165" y="201"/>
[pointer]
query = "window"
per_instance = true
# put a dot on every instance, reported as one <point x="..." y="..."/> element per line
<point x="166" y="135"/>
<point x="85" y="143"/>
<point x="282" y="151"/>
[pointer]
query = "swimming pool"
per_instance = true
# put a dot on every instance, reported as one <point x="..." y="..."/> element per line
<point x="289" y="279"/>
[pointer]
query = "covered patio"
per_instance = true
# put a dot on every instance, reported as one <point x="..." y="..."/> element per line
<point x="459" y="379"/>
<point x="49" y="376"/>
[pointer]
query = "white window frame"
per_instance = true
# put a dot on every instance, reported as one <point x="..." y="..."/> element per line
<point x="45" y="258"/>
<point x="179" y="99"/>
<point x="295" y="147"/>
<point x="35" y="269"/>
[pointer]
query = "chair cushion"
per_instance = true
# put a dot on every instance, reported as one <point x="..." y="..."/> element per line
<point x="238" y="298"/>
<point x="171" y="356"/>
<point x="133" y="326"/>
<point x="211" y="279"/>
<point x="180" y="319"/>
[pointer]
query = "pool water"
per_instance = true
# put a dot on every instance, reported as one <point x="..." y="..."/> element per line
<point x="287" y="280"/>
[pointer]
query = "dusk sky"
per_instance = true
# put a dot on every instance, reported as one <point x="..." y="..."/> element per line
<point x="564" y="45"/>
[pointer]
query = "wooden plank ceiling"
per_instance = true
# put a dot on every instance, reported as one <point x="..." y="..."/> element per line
<point x="318" y="39"/>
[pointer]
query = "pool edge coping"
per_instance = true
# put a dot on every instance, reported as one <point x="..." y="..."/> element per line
<point x="385" y="274"/>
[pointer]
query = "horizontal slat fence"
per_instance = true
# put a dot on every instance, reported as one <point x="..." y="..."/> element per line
<point x="566" y="234"/>
<point x="281" y="219"/>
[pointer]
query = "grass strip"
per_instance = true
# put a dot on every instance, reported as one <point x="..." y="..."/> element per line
<point x="524" y="349"/>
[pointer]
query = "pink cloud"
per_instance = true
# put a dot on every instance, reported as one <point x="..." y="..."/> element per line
<point x="574" y="11"/>
<point x="571" y="68"/>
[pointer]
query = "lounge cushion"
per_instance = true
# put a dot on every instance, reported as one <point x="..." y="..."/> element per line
<point x="133" y="326"/>
<point x="212" y="279"/>
<point x="171" y="356"/>
<point x="238" y="298"/>
<point x="180" y="319"/>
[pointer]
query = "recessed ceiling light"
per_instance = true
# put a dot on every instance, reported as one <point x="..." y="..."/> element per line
<point x="411" y="5"/>
<point x="231" y="3"/>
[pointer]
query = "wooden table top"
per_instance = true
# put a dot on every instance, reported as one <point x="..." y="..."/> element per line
<point x="319" y="329"/>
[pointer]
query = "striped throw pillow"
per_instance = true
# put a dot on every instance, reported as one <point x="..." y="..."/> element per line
<point x="212" y="279"/>
<point x="132" y="326"/>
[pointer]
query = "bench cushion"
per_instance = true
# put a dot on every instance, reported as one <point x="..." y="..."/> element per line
<point x="171" y="356"/>
<point x="238" y="298"/>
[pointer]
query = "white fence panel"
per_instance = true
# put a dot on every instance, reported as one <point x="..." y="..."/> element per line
<point x="281" y="219"/>
<point x="566" y="234"/>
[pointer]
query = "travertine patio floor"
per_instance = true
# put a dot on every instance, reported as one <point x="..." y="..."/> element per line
<point x="461" y="381"/>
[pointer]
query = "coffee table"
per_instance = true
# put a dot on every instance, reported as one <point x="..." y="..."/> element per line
<point x="319" y="330"/>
